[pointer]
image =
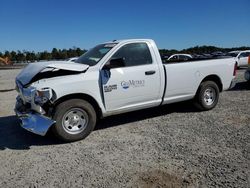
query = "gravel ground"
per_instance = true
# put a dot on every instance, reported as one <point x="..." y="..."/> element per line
<point x="170" y="146"/>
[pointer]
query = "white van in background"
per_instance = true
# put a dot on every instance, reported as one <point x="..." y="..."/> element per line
<point x="241" y="57"/>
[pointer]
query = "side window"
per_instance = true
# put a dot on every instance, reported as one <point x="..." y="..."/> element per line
<point x="175" y="57"/>
<point x="247" y="54"/>
<point x="187" y="58"/>
<point x="244" y="54"/>
<point x="134" y="54"/>
<point x="183" y="58"/>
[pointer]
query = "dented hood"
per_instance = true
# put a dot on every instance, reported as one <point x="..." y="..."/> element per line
<point x="31" y="70"/>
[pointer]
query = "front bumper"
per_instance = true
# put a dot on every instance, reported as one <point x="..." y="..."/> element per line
<point x="32" y="121"/>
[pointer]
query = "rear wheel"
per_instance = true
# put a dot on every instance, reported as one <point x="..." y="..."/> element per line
<point x="247" y="76"/>
<point x="75" y="119"/>
<point x="207" y="96"/>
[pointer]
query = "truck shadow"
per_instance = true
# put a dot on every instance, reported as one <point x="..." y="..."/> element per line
<point x="12" y="136"/>
<point x="130" y="117"/>
<point x="241" y="86"/>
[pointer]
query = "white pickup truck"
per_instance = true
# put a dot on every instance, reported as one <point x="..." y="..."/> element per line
<point x="113" y="78"/>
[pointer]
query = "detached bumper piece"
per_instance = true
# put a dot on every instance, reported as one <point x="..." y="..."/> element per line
<point x="33" y="121"/>
<point x="233" y="83"/>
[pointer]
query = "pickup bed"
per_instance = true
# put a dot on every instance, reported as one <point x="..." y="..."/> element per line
<point x="113" y="78"/>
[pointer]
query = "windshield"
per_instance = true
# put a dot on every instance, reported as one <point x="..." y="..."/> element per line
<point x="94" y="55"/>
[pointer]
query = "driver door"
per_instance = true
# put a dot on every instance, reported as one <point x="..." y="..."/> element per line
<point x="135" y="84"/>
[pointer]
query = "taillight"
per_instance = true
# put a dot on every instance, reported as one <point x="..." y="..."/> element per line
<point x="235" y="69"/>
<point x="248" y="60"/>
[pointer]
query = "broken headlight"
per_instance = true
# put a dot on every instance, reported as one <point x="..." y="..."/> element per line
<point x="42" y="96"/>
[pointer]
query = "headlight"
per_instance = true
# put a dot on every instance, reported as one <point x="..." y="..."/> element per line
<point x="42" y="96"/>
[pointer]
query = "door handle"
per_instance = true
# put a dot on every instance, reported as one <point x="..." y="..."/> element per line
<point x="149" y="72"/>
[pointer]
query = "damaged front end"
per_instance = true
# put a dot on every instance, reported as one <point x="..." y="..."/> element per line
<point x="34" y="105"/>
<point x="32" y="108"/>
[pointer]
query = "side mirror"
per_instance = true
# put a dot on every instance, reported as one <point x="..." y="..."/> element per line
<point x="115" y="63"/>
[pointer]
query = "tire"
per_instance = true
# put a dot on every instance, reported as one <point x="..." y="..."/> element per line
<point x="75" y="120"/>
<point x="247" y="76"/>
<point x="207" y="96"/>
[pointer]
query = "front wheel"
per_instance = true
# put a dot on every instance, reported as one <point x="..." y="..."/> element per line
<point x="75" y="119"/>
<point x="207" y="96"/>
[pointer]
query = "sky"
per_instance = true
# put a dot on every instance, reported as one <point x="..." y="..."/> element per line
<point x="38" y="25"/>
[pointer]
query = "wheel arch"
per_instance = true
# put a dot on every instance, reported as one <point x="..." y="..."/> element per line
<point x="215" y="78"/>
<point x="83" y="96"/>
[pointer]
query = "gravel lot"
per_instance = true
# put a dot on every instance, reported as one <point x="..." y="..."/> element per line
<point x="170" y="146"/>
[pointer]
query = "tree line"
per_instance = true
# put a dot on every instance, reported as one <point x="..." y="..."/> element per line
<point x="31" y="56"/>
<point x="58" y="54"/>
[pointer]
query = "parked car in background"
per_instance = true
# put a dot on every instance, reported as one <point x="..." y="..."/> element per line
<point x="233" y="53"/>
<point x="180" y="57"/>
<point x="219" y="54"/>
<point x="72" y="59"/>
<point x="241" y="57"/>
